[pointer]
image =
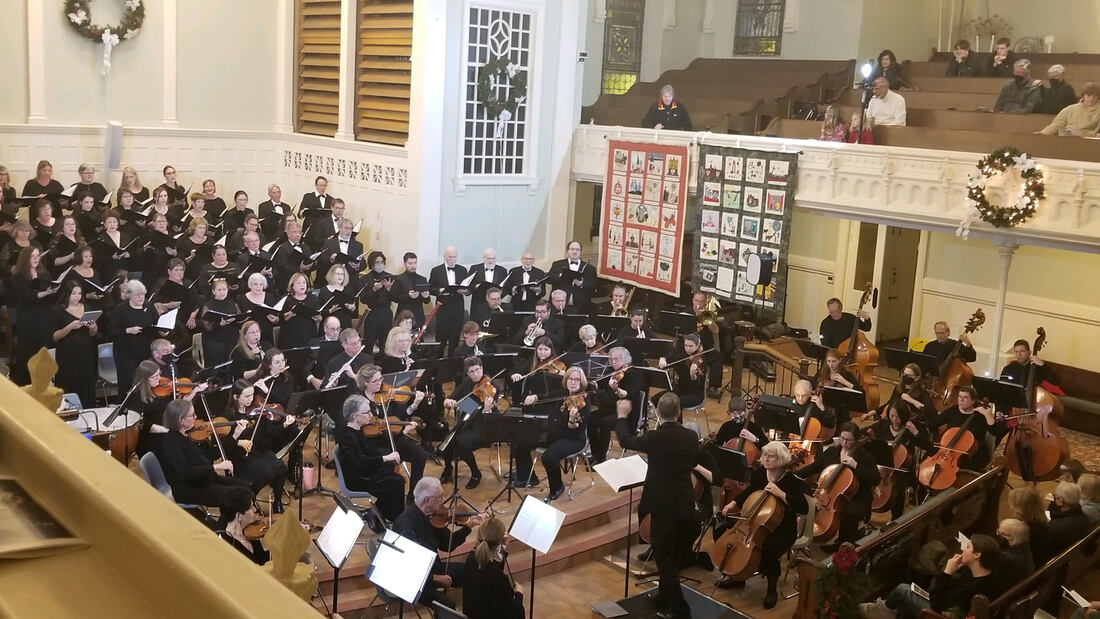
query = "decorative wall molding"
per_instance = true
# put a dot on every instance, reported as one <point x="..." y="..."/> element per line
<point x="670" y="15"/>
<point x="601" y="11"/>
<point x="709" y="10"/>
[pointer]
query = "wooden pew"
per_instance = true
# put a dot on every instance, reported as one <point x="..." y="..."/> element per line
<point x="972" y="505"/>
<point x="978" y="121"/>
<point x="1082" y="400"/>
<point x="1079" y="67"/>
<point x="917" y="99"/>
<point x="1049" y="146"/>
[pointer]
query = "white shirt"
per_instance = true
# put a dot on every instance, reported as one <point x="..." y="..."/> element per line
<point x="450" y="275"/>
<point x="489" y="273"/>
<point x="888" y="111"/>
<point x="575" y="266"/>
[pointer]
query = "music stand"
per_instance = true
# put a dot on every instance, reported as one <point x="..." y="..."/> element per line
<point x="812" y="350"/>
<point x="624" y="474"/>
<point x="400" y="566"/>
<point x="609" y="325"/>
<point x="536" y="524"/>
<point x="655" y="377"/>
<point x="442" y="370"/>
<point x="497" y="324"/>
<point x="845" y="399"/>
<point x="593" y="365"/>
<point x="644" y="348"/>
<point x="777" y="413"/>
<point x="898" y="359"/>
<point x="676" y="323"/>
<point x="430" y="350"/>
<point x="336" y="541"/>
<point x="513" y="320"/>
<point x="494" y="364"/>
<point x="312" y="400"/>
<point x="514" y="428"/>
<point x="299" y="360"/>
<point x="298" y="443"/>
<point x="1003" y="393"/>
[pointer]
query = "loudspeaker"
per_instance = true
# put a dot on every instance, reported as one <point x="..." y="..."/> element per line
<point x="759" y="272"/>
<point x="112" y="145"/>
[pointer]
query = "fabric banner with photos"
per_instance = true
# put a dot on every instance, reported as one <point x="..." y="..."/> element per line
<point x="744" y="200"/>
<point x="642" y="229"/>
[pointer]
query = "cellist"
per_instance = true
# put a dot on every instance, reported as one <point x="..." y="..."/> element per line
<point x="955" y="417"/>
<point x="846" y="452"/>
<point x="772" y="477"/>
<point x="899" y="427"/>
<point x="833" y="374"/>
<point x="739" y="425"/>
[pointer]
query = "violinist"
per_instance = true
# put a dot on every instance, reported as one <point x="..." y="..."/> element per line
<point x="186" y="468"/>
<point x="619" y="392"/>
<point x="847" y="452"/>
<point x="542" y="323"/>
<point x="941" y="347"/>
<point x="416" y="524"/>
<point x="410" y="289"/>
<point x="773" y="477"/>
<point x="588" y="341"/>
<point x="534" y="380"/>
<point x="238" y="510"/>
<point x="636" y="329"/>
<point x="254" y="459"/>
<point x="689" y="367"/>
<point x="489" y="593"/>
<point x="833" y="374"/>
<point x="162" y="352"/>
<point x="899" y="429"/>
<point x="369" y="463"/>
<point x="547" y="381"/>
<point x="273" y="379"/>
<point x="711" y="337"/>
<point x="837" y="326"/>
<point x="248" y="354"/>
<point x="471" y="345"/>
<point x="341" y="368"/>
<point x="469" y="432"/>
<point x="956" y="416"/>
<point x="369" y="381"/>
<point x="1016" y="371"/>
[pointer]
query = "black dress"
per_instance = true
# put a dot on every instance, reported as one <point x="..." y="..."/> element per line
<point x="300" y="328"/>
<point x="267" y="328"/>
<point x="32" y="323"/>
<point x="131" y="349"/>
<point x="76" y="358"/>
<point x="780" y="540"/>
<point x="487" y="592"/>
<point x="335" y="309"/>
<point x="32" y="188"/>
<point x="243" y="363"/>
<point x="364" y="470"/>
<point x="217" y="339"/>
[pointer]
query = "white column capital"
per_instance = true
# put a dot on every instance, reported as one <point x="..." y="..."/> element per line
<point x="670" y="14"/>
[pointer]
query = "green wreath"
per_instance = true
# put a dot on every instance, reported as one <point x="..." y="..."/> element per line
<point x="1032" y="189"/>
<point x="486" y="94"/>
<point x="78" y="14"/>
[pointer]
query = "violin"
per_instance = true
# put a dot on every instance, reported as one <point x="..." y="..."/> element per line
<point x="389" y="393"/>
<point x="554" y="368"/>
<point x="184" y="386"/>
<point x="573" y="405"/>
<point x="203" y="429"/>
<point x="861" y="356"/>
<point x="484" y="390"/>
<point x="269" y="411"/>
<point x="257" y="529"/>
<point x="376" y="426"/>
<point x="737" y="553"/>
<point x="444" y="517"/>
<point x="1035" y="449"/>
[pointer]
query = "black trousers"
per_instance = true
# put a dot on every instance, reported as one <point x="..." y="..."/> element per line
<point x="465" y="442"/>
<point x="668" y="551"/>
<point x="375" y="327"/>
<point x="414" y="454"/>
<point x="263" y="469"/>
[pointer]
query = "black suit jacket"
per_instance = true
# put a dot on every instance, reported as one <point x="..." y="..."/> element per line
<point x="288" y="260"/>
<point x="673" y="451"/>
<point x="332" y="246"/>
<point x="481" y="276"/>
<point x="403" y="284"/>
<point x="520" y="302"/>
<point x="554" y="327"/>
<point x="310" y="200"/>
<point x="580" y="296"/>
<point x="453" y="306"/>
<point x="270" y="221"/>
<point x="319" y="228"/>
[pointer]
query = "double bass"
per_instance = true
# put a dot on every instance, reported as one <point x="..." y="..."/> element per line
<point x="954" y="372"/>
<point x="861" y="356"/>
<point x="1035" y="449"/>
<point x="737" y="553"/>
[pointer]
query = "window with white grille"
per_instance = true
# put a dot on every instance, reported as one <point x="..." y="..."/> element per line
<point x="498" y="61"/>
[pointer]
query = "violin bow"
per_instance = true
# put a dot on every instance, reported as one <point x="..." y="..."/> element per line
<point x="548" y="363"/>
<point x="386" y="425"/>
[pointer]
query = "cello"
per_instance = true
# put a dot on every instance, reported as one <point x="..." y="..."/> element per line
<point x="861" y="356"/>
<point x="732" y="488"/>
<point x="1035" y="449"/>
<point x="883" y="496"/>
<point x="954" y="372"/>
<point x="810" y="431"/>
<point x="737" y="553"/>
<point x="835" y="487"/>
<point x="939" y="470"/>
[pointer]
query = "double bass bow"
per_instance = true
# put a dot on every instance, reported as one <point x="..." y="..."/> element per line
<point x="1035" y="449"/>
<point x="861" y="356"/>
<point x="954" y="372"/>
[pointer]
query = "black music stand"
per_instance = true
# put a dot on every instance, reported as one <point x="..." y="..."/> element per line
<point x="496" y="363"/>
<point x="513" y="320"/>
<point x="608" y="326"/>
<point x="299" y="360"/>
<point x="312" y="400"/>
<point x="645" y="348"/>
<point x="593" y="365"/>
<point x="655" y="377"/>
<point x="442" y="370"/>
<point x="777" y="413"/>
<point x="845" y="399"/>
<point x="514" y="428"/>
<point x="1005" y="394"/>
<point x="812" y="350"/>
<point x="898" y="359"/>
<point x="497" y="324"/>
<point x="430" y="350"/>
<point x="677" y="323"/>
<point x="298" y="443"/>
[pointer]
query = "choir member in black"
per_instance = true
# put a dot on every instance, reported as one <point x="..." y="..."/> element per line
<point x="171" y="293"/>
<point x="523" y="298"/>
<point x="688" y="367"/>
<point x="299" y="325"/>
<point x="162" y="206"/>
<point x="336" y="279"/>
<point x="740" y="426"/>
<point x="580" y="283"/>
<point x="712" y="337"/>
<point x="62" y="250"/>
<point x="369" y="381"/>
<point x="186" y="468"/>
<point x="451" y="311"/>
<point x="324" y="224"/>
<point x="177" y="194"/>
<point x="491" y="307"/>
<point x="1023" y="361"/>
<point x="979" y="425"/>
<point x="130" y="182"/>
<point x="132" y="328"/>
<point x="253" y="301"/>
<point x="219" y="268"/>
<point x="238" y="510"/>
<point x="489" y="593"/>
<point x="214" y="204"/>
<point x="89" y="221"/>
<point x="155" y="250"/>
<point x="33" y="295"/>
<point x="377" y="285"/>
<point x="43" y="223"/>
<point x="197" y="210"/>
<point x="234" y="218"/>
<point x="343" y="249"/>
<point x="272" y="211"/>
<point x="837" y="326"/>
<point x="405" y="290"/>
<point x="469" y="433"/>
<point x="637" y="328"/>
<point x="88" y="184"/>
<point x="341" y="368"/>
<point x="587" y="341"/>
<point x="472" y="345"/>
<point x="369" y="464"/>
<point x="619" y="391"/>
<point x="8" y="192"/>
<point x="486" y="274"/>
<point x="252" y="259"/>
<point x="898" y="426"/>
<point x="539" y="325"/>
<point x="21" y="233"/>
<point x="43" y="184"/>
<point x="566" y="429"/>
<point x="255" y="460"/>
<point x="848" y="453"/>
<point x="772" y="476"/>
<point x="415" y="524"/>
<point x="74" y="341"/>
<point x="132" y="222"/>
<point x="941" y="347"/>
<point x="219" y="333"/>
<point x="248" y="354"/>
<point x="292" y="257"/>
<point x="96" y="297"/>
<point x="195" y="247"/>
<point x="110" y="252"/>
<point x="327" y="347"/>
<point x="235" y="243"/>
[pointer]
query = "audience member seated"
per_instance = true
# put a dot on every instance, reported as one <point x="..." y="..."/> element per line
<point x="1090" y="496"/>
<point x="886" y="108"/>
<point x="964" y="64"/>
<point x="1071" y="470"/>
<point x="1092" y="612"/>
<point x="1021" y="95"/>
<point x="667" y="112"/>
<point x="867" y="136"/>
<point x="832" y="128"/>
<point x="1059" y="95"/>
<point x="971" y="572"/>
<point x="887" y="66"/>
<point x="1001" y="62"/>
<point x="1024" y="504"/>
<point x="1079" y="118"/>
<point x="1012" y="535"/>
<point x="1067" y="522"/>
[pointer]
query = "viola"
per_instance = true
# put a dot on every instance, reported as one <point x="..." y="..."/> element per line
<point x="861" y="356"/>
<point x="836" y="485"/>
<point x="738" y="551"/>
<point x="939" y="470"/>
<point x="1035" y="448"/>
<point x="954" y="372"/>
<point x="376" y="426"/>
<point x="203" y="429"/>
<point x="484" y="390"/>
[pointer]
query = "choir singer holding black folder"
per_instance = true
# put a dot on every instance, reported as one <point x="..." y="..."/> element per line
<point x="576" y="277"/>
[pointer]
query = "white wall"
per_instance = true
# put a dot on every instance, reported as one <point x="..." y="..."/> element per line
<point x="13" y="48"/>
<point x="1073" y="23"/>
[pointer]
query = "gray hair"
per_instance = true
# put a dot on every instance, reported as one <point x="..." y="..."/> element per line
<point x="1018" y="529"/>
<point x="587" y="331"/>
<point x="667" y="88"/>
<point x="881" y="81"/>
<point x="87" y="167"/>
<point x="1056" y="68"/>
<point x="426" y="487"/>
<point x="353" y="405"/>
<point x="623" y="353"/>
<point x="1068" y="492"/>
<point x="257" y="277"/>
<point x="779" y="450"/>
<point x="1023" y="63"/>
<point x="131" y="288"/>
<point x="273" y="186"/>
<point x="558" y="294"/>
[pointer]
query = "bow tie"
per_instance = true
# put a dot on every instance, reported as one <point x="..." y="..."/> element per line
<point x="574" y="263"/>
<point x="450" y="268"/>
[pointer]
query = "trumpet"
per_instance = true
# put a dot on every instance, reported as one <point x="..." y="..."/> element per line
<point x="529" y="340"/>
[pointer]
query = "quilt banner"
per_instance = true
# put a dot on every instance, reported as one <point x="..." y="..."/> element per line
<point x="642" y="229"/>
<point x="744" y="200"/>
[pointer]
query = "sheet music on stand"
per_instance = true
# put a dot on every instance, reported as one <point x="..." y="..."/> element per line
<point x="401" y="566"/>
<point x="623" y="473"/>
<point x="536" y="524"/>
<point x="339" y="535"/>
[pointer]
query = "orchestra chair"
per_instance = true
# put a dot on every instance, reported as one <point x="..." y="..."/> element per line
<point x="380" y="593"/>
<point x="344" y="490"/>
<point x="801" y="546"/>
<point x="570" y="464"/>
<point x="701" y="408"/>
<point x="154" y="475"/>
<point x="196" y="351"/>
<point x="108" y="374"/>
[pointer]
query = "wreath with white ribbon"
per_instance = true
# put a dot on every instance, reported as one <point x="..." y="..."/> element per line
<point x="1031" y="190"/>
<point x="79" y="16"/>
<point x="501" y="109"/>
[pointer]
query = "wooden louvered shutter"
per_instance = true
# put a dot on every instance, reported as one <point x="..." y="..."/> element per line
<point x="318" y="80"/>
<point x="384" y="71"/>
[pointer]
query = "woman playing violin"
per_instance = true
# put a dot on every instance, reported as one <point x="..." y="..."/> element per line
<point x="274" y="380"/>
<point x="383" y="405"/>
<point x="771" y="476"/>
<point x="255" y="459"/>
<point x="148" y="405"/>
<point x="690" y="370"/>
<point x="535" y="379"/>
<point x="565" y="433"/>
<point x="913" y="393"/>
<point x="846" y="452"/>
<point x="621" y="389"/>
<point x="470" y="436"/>
<point x="238" y="511"/>
<point x="488" y="592"/>
<point x="588" y="341"/>
<point x="369" y="463"/>
<point x="186" y="468"/>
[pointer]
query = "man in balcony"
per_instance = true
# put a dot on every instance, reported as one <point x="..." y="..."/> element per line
<point x="886" y="108"/>
<point x="667" y="113"/>
<point x="1021" y="95"/>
